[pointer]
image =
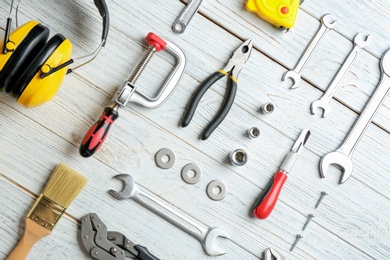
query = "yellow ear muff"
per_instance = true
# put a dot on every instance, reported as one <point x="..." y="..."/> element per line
<point x="39" y="91"/>
<point x="15" y="39"/>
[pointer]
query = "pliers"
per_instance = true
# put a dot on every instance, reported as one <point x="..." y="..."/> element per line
<point x="232" y="69"/>
<point x="109" y="245"/>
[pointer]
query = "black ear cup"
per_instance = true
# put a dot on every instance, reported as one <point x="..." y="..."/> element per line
<point x="22" y="57"/>
<point x="23" y="78"/>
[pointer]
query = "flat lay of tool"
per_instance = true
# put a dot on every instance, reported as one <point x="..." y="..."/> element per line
<point x="266" y="202"/>
<point x="98" y="132"/>
<point x="360" y="42"/>
<point x="232" y="69"/>
<point x="156" y="190"/>
<point x="327" y="24"/>
<point x="280" y="13"/>
<point x="343" y="155"/>
<point x="32" y="66"/>
<point x="109" y="245"/>
<point x="62" y="188"/>
<point x="205" y="235"/>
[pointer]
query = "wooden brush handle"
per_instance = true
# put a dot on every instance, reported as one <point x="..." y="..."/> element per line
<point x="32" y="234"/>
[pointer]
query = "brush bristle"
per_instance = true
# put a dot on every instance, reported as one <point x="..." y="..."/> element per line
<point x="64" y="185"/>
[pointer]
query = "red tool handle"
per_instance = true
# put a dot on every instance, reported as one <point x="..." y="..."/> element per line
<point x="265" y="205"/>
<point x="96" y="135"/>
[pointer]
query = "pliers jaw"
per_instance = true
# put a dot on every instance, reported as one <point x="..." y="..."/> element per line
<point x="239" y="58"/>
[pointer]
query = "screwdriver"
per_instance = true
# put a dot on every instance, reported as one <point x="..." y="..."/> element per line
<point x="266" y="202"/>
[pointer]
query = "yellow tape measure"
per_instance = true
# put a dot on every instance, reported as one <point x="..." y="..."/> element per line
<point x="281" y="13"/>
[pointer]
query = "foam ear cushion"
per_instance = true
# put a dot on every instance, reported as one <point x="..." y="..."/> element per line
<point x="24" y="78"/>
<point x="23" y="54"/>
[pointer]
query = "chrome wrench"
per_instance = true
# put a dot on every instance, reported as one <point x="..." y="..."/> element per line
<point x="186" y="15"/>
<point x="327" y="23"/>
<point x="360" y="41"/>
<point x="206" y="236"/>
<point x="343" y="155"/>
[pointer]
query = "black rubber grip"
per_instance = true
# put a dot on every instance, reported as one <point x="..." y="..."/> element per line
<point x="144" y="253"/>
<point x="197" y="96"/>
<point x="224" y="110"/>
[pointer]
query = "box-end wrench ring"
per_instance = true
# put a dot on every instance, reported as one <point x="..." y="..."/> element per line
<point x="360" y="41"/>
<point x="186" y="15"/>
<point x="343" y="155"/>
<point x="206" y="236"/>
<point x="327" y="23"/>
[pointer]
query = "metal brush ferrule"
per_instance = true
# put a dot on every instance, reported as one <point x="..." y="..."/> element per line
<point x="46" y="212"/>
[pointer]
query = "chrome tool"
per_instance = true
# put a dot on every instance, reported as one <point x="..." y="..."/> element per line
<point x="232" y="70"/>
<point x="109" y="245"/>
<point x="205" y="235"/>
<point x="96" y="135"/>
<point x="360" y="42"/>
<point x="343" y="155"/>
<point x="186" y="16"/>
<point x="266" y="202"/>
<point x="272" y="254"/>
<point x="327" y="24"/>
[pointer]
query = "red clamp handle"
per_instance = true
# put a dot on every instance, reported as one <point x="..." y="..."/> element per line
<point x="265" y="205"/>
<point x="96" y="135"/>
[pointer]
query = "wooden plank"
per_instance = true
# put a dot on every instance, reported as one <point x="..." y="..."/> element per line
<point x="209" y="59"/>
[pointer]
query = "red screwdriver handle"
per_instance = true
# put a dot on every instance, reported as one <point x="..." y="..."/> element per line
<point x="96" y="135"/>
<point x="266" y="204"/>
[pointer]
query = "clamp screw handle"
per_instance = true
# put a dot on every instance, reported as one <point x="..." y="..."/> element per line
<point x="155" y="43"/>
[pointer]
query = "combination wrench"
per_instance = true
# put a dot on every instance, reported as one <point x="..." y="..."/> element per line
<point x="360" y="42"/>
<point x="206" y="236"/>
<point x="327" y="23"/>
<point x="186" y="16"/>
<point x="343" y="155"/>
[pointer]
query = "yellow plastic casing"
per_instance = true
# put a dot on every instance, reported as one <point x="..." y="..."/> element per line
<point x="16" y="37"/>
<point x="281" y="13"/>
<point x="39" y="91"/>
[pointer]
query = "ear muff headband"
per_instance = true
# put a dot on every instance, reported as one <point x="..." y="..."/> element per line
<point x="103" y="10"/>
<point x="23" y="54"/>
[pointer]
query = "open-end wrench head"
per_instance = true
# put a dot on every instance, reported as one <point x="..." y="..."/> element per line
<point x="340" y="159"/>
<point x="295" y="77"/>
<point x="385" y="63"/>
<point x="209" y="243"/>
<point x="329" y="21"/>
<point x="128" y="187"/>
<point x="320" y="104"/>
<point x="362" y="39"/>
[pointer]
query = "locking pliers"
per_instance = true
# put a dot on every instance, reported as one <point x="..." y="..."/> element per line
<point x="109" y="245"/>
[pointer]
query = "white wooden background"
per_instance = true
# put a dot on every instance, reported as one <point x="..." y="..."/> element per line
<point x="353" y="222"/>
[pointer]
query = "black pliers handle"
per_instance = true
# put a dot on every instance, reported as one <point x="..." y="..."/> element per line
<point x="224" y="109"/>
<point x="232" y="69"/>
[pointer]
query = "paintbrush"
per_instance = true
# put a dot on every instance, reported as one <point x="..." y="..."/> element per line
<point x="62" y="188"/>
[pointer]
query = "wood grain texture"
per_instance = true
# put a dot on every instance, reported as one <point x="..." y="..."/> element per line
<point x="351" y="223"/>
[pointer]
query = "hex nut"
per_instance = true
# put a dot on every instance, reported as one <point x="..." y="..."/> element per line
<point x="267" y="108"/>
<point x="238" y="157"/>
<point x="253" y="132"/>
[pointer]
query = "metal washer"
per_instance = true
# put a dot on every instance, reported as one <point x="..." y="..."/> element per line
<point x="216" y="183"/>
<point x="191" y="167"/>
<point x="165" y="152"/>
